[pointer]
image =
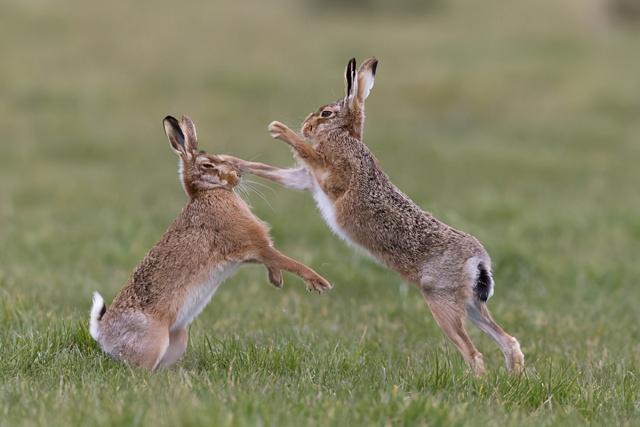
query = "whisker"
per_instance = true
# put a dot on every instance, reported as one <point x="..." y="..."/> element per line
<point x="259" y="194"/>
<point x="242" y="193"/>
<point x="261" y="185"/>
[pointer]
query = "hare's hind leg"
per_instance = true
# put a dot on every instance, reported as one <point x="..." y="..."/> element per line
<point x="178" y="340"/>
<point x="135" y="338"/>
<point x="449" y="311"/>
<point x="150" y="347"/>
<point x="480" y="316"/>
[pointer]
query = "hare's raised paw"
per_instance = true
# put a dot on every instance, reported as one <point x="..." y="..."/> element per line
<point x="318" y="284"/>
<point x="282" y="132"/>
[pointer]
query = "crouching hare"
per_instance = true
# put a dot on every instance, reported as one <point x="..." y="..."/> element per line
<point x="361" y="205"/>
<point x="146" y="325"/>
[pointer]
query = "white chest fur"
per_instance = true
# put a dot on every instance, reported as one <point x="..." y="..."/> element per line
<point x="200" y="294"/>
<point x="328" y="212"/>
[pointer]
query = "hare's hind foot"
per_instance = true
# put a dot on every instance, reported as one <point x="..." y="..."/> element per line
<point x="516" y="366"/>
<point x="510" y="347"/>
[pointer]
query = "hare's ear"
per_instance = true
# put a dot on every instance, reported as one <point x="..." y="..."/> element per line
<point x="366" y="76"/>
<point x="190" y="135"/>
<point x="175" y="135"/>
<point x="350" y="81"/>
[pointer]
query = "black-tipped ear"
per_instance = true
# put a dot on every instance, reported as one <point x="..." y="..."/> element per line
<point x="350" y="78"/>
<point x="366" y="77"/>
<point x="175" y="135"/>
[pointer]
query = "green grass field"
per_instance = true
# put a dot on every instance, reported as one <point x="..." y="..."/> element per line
<point x="515" y="122"/>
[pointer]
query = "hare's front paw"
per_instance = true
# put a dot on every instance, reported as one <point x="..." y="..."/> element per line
<point x="280" y="131"/>
<point x="318" y="284"/>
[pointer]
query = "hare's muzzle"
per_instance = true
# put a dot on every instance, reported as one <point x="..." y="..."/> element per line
<point x="233" y="178"/>
<point x="307" y="128"/>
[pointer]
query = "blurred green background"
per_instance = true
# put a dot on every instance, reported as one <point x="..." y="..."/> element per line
<point x="515" y="121"/>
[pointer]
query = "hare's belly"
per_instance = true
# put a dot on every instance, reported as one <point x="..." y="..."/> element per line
<point x="200" y="294"/>
<point x="328" y="212"/>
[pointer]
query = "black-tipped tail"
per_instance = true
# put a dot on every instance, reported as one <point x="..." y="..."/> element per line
<point x="484" y="283"/>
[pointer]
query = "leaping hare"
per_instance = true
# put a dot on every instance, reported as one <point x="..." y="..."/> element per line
<point x="362" y="206"/>
<point x="146" y="325"/>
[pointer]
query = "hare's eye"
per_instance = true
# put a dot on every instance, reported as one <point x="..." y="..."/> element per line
<point x="207" y="166"/>
<point x="326" y="113"/>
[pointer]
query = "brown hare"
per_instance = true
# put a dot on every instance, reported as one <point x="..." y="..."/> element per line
<point x="362" y="206"/>
<point x="146" y="325"/>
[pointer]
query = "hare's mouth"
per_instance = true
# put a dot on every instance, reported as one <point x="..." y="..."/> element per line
<point x="233" y="179"/>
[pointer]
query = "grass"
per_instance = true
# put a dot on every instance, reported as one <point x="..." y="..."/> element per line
<point x="515" y="122"/>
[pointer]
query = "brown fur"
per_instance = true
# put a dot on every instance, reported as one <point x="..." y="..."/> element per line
<point x="215" y="230"/>
<point x="374" y="214"/>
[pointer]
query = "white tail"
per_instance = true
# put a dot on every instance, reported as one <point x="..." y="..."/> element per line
<point x="97" y="310"/>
